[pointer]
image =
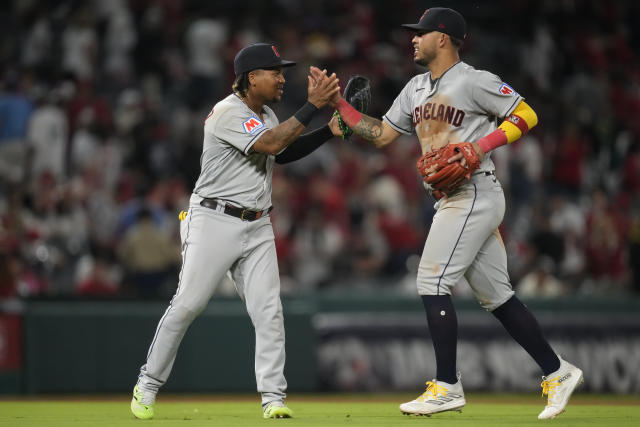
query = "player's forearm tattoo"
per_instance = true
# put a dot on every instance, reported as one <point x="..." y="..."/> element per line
<point x="369" y="128"/>
<point x="285" y="133"/>
<point x="290" y="129"/>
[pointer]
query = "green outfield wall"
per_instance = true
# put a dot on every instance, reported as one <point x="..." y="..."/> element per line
<point x="335" y="341"/>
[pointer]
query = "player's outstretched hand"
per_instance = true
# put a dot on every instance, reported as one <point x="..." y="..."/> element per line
<point x="317" y="74"/>
<point x="334" y="126"/>
<point x="322" y="87"/>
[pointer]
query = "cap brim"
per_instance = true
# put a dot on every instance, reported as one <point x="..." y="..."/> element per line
<point x="415" y="27"/>
<point x="286" y="63"/>
<point x="282" y="63"/>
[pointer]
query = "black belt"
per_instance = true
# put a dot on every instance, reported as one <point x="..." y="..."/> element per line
<point x="243" y="214"/>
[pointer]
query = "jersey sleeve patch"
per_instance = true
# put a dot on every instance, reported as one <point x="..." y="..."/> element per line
<point x="505" y="89"/>
<point x="252" y="125"/>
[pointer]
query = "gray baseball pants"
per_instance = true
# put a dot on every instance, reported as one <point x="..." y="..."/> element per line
<point x="212" y="244"/>
<point x="464" y="240"/>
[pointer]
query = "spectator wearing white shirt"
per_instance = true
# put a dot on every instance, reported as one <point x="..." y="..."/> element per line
<point x="204" y="40"/>
<point x="47" y="137"/>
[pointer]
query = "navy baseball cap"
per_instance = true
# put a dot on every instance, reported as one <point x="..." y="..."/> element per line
<point x="441" y="19"/>
<point x="259" y="55"/>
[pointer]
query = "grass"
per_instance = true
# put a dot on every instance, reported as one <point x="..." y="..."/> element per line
<point x="314" y="410"/>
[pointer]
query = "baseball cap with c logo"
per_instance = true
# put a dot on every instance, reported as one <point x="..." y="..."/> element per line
<point x="259" y="55"/>
<point x="441" y="19"/>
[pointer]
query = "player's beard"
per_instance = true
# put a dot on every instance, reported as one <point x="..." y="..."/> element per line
<point x="425" y="59"/>
<point x="277" y="95"/>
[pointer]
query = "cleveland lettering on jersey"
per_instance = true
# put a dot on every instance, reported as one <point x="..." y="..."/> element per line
<point x="440" y="112"/>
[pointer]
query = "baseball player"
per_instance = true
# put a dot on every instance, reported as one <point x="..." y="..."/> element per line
<point x="455" y="103"/>
<point x="227" y="226"/>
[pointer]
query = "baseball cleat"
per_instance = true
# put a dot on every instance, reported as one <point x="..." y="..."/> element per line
<point x="439" y="397"/>
<point x="558" y="386"/>
<point x="277" y="410"/>
<point x="142" y="404"/>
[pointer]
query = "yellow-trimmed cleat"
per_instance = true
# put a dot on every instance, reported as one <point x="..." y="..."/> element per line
<point x="559" y="386"/>
<point x="142" y="404"/>
<point x="277" y="411"/>
<point x="439" y="397"/>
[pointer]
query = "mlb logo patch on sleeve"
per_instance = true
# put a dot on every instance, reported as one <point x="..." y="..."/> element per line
<point x="505" y="89"/>
<point x="252" y="125"/>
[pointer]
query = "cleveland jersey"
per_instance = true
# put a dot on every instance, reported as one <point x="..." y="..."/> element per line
<point x="230" y="171"/>
<point x="464" y="104"/>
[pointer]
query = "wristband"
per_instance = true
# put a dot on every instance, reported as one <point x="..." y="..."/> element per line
<point x="305" y="113"/>
<point x="349" y="115"/>
<point x="493" y="140"/>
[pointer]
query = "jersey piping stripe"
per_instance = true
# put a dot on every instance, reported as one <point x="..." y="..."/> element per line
<point x="513" y="106"/>
<point x="475" y="193"/>
<point x="408" y="132"/>
<point x="246" y="148"/>
<point x="447" y="70"/>
<point x="434" y="87"/>
<point x="184" y="259"/>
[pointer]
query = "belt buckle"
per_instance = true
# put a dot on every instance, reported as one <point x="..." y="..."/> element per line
<point x="257" y="215"/>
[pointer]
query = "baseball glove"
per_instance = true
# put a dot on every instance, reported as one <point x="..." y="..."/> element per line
<point x="357" y="92"/>
<point x="444" y="177"/>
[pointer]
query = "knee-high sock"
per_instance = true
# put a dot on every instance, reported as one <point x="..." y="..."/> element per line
<point x="443" y="326"/>
<point x="524" y="328"/>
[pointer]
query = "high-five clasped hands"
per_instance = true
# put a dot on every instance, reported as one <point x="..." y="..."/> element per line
<point x="323" y="89"/>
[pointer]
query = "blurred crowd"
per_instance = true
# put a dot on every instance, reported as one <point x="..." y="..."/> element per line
<point x="101" y="112"/>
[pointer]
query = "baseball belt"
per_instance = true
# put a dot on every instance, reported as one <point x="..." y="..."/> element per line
<point x="243" y="214"/>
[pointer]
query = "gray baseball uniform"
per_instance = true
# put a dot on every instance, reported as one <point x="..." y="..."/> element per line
<point x="464" y="104"/>
<point x="214" y="242"/>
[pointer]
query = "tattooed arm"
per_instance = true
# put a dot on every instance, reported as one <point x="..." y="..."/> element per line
<point x="376" y="131"/>
<point x="321" y="89"/>
<point x="275" y="140"/>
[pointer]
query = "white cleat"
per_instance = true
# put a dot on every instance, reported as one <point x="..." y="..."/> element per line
<point x="439" y="397"/>
<point x="559" y="386"/>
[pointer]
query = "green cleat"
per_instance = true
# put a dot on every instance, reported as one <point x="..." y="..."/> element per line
<point x="276" y="411"/>
<point x="141" y="407"/>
